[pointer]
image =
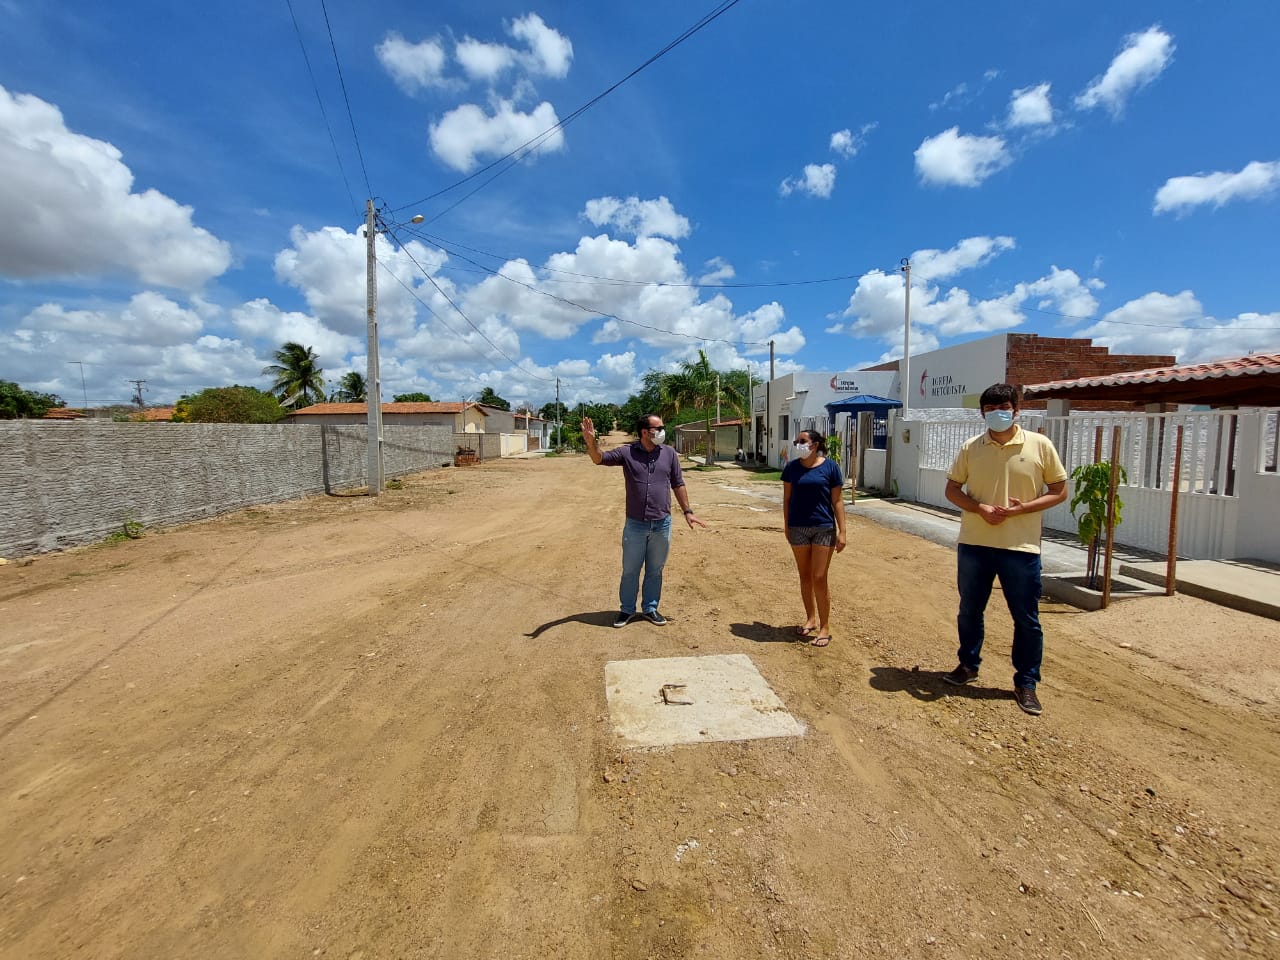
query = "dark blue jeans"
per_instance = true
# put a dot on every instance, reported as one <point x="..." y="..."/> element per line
<point x="1019" y="573"/>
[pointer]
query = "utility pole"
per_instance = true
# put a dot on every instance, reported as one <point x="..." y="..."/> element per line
<point x="373" y="387"/>
<point x="906" y="344"/>
<point x="137" y="392"/>
<point x="373" y="371"/>
<point x="768" y="409"/>
<point x="559" y="426"/>
<point x="83" y="388"/>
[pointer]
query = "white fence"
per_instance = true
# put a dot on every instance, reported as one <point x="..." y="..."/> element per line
<point x="1227" y="483"/>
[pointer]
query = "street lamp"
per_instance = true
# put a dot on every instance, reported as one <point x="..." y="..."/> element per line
<point x="373" y="379"/>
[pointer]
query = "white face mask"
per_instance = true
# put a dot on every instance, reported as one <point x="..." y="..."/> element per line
<point x="801" y="450"/>
<point x="658" y="437"/>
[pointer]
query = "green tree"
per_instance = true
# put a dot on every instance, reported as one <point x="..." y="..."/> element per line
<point x="416" y="397"/>
<point x="16" y="403"/>
<point x="234" y="404"/>
<point x="296" y="370"/>
<point x="351" y="389"/>
<point x="491" y="399"/>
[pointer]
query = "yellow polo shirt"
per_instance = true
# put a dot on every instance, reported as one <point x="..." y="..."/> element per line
<point x="993" y="472"/>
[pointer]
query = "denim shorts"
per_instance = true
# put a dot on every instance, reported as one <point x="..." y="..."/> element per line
<point x="811" y="536"/>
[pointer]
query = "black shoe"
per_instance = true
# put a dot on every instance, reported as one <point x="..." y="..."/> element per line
<point x="961" y="675"/>
<point x="653" y="616"/>
<point x="1027" y="700"/>
<point x="623" y="618"/>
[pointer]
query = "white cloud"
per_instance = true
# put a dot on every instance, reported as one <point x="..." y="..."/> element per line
<point x="550" y="52"/>
<point x="263" y="321"/>
<point x="818" y="181"/>
<point x="149" y="318"/>
<point x="641" y="218"/>
<point x="1030" y="107"/>
<point x="718" y="271"/>
<point x="1157" y="323"/>
<point x="547" y="52"/>
<point x="484" y="61"/>
<point x="956" y="159"/>
<point x="1179" y="194"/>
<point x="329" y="266"/>
<point x="467" y="133"/>
<point x="412" y="65"/>
<point x="80" y="217"/>
<point x="968" y="253"/>
<point x="847" y="143"/>
<point x="151" y="338"/>
<point x="1144" y="57"/>
<point x="877" y="307"/>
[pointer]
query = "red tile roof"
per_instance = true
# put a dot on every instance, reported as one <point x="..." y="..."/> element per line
<point x="332" y="409"/>
<point x="1254" y="365"/>
<point x="64" y="413"/>
<point x="1250" y="381"/>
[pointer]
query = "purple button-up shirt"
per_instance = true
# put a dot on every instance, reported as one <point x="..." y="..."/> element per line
<point x="650" y="477"/>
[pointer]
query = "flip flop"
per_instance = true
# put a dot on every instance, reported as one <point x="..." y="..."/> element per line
<point x="803" y="631"/>
<point x="820" y="641"/>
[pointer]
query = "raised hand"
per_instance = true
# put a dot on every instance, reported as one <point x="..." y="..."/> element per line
<point x="588" y="431"/>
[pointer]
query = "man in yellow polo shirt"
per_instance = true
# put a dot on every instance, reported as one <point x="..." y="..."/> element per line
<point x="1001" y="481"/>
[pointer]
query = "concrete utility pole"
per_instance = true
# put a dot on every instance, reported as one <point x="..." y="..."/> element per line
<point x="559" y="425"/>
<point x="768" y="409"/>
<point x="137" y="392"/>
<point x="373" y="372"/>
<point x="906" y="344"/>
<point x="373" y="387"/>
<point x="83" y="388"/>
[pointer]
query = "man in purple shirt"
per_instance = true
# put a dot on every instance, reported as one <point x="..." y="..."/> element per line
<point x="651" y="470"/>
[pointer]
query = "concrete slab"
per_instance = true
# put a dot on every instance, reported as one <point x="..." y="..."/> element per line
<point x="1249" y="585"/>
<point x="727" y="699"/>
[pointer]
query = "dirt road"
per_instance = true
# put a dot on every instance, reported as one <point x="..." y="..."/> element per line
<point x="352" y="728"/>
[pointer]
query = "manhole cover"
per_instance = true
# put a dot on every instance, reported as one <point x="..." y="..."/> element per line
<point x="656" y="703"/>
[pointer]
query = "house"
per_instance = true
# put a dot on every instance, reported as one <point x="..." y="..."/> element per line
<point x="461" y="417"/>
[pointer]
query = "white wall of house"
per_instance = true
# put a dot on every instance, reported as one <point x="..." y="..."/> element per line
<point x="777" y="407"/>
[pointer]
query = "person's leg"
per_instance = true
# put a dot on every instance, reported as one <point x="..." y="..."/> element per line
<point x="820" y="562"/>
<point x="657" y="546"/>
<point x="1020" y="581"/>
<point x="804" y="558"/>
<point x="634" y="542"/>
<point x="975" y="575"/>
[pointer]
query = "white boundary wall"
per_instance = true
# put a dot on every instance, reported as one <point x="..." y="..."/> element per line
<point x="1228" y="488"/>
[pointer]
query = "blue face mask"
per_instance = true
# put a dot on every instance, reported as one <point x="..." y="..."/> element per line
<point x="998" y="420"/>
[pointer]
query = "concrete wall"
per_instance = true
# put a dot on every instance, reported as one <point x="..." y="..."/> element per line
<point x="73" y="483"/>
<point x="1258" y="528"/>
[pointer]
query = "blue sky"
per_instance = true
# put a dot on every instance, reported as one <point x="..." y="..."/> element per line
<point x="175" y="208"/>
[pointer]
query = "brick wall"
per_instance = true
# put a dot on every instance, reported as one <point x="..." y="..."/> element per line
<point x="1034" y="359"/>
<point x="72" y="483"/>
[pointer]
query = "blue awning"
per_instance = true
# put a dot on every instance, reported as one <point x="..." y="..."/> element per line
<point x="863" y="403"/>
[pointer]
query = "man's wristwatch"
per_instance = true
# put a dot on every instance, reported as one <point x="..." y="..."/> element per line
<point x="687" y="512"/>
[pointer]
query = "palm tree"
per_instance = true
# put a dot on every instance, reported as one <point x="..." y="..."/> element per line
<point x="700" y="386"/>
<point x="351" y="389"/>
<point x="296" y="372"/>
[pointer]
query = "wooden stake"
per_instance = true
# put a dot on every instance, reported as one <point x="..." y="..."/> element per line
<point x="1171" y="571"/>
<point x="1111" y="516"/>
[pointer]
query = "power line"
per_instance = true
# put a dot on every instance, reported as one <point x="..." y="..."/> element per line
<point x="458" y="309"/>
<point x="314" y="86"/>
<point x="622" y="281"/>
<point x="334" y="47"/>
<point x="529" y="146"/>
<point x="599" y="313"/>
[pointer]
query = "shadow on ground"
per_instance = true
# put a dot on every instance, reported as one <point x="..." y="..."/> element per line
<point x="928" y="685"/>
<point x="601" y="618"/>
<point x="765" y="633"/>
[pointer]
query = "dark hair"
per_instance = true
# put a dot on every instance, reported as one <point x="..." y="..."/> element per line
<point x="643" y="423"/>
<point x="816" y="440"/>
<point x="999" y="393"/>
